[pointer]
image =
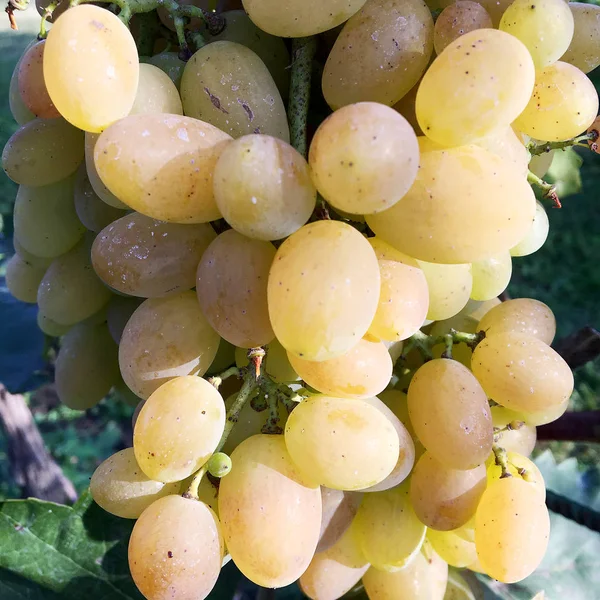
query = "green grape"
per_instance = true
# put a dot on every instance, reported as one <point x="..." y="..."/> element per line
<point x="45" y="219"/>
<point x="506" y="144"/>
<point x="263" y="187"/>
<point x="219" y="464"/>
<point x="520" y="467"/>
<point x="512" y="529"/>
<point x="491" y="275"/>
<point x="364" y="158"/>
<point x="277" y="361"/>
<point x="449" y="288"/>
<point x="255" y="502"/>
<point x="338" y="511"/>
<point x="548" y="415"/>
<point x="520" y="315"/>
<point x="270" y="49"/>
<point x="460" y="352"/>
<point x="450" y="413"/>
<point x="397" y="402"/>
<point x="31" y="83"/>
<point x="165" y="338"/>
<point x="228" y="86"/>
<point x="225" y="357"/>
<point x="323" y="290"/>
<point x="50" y="327"/>
<point x="156" y="93"/>
<point x="118" y="312"/>
<point x="424" y="578"/>
<point x="521" y="372"/>
<point x="477" y="310"/>
<point x="140" y="256"/>
<point x="445" y="498"/>
<point x="120" y="487"/>
<point x="521" y="439"/>
<point x="43" y="151"/>
<point x="481" y="93"/>
<point x="546" y="28"/>
<point x="231" y="286"/>
<point x="178" y="428"/>
<point x="452" y="548"/>
<point x="584" y="50"/>
<point x="457" y="19"/>
<point x="21" y="114"/>
<point x="70" y="290"/>
<point x="341" y="443"/>
<point x="444" y="217"/>
<point x="86" y="366"/>
<point x="564" y="103"/>
<point x="171" y="64"/>
<point x="334" y="571"/>
<point x="91" y="67"/>
<point x="175" y="158"/>
<point x="176" y="546"/>
<point x="536" y="236"/>
<point x="363" y="372"/>
<point x="23" y="279"/>
<point x="388" y="530"/>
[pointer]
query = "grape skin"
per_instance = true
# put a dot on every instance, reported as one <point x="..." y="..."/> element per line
<point x="456" y="20"/>
<point x="23" y="279"/>
<point x="520" y="440"/>
<point x="584" y="50"/>
<point x="491" y="275"/>
<point x="156" y="93"/>
<point x="21" y="114"/>
<point x="338" y="511"/>
<point x="537" y="234"/>
<point x="452" y="548"/>
<point x="118" y="312"/>
<point x="517" y="464"/>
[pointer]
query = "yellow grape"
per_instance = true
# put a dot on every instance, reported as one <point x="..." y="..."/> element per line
<point x="156" y="93"/>
<point x="118" y="312"/>
<point x="445" y="498"/>
<point x="424" y="578"/>
<point x="31" y="83"/>
<point x="86" y="366"/>
<point x="175" y="158"/>
<point x="460" y="352"/>
<point x="255" y="502"/>
<point x="397" y="402"/>
<point x="364" y="158"/>
<point x="298" y="18"/>
<point x="521" y="372"/>
<point x="444" y="218"/>
<point x="476" y="309"/>
<point x="380" y="54"/>
<point x="23" y="278"/>
<point x="545" y="27"/>
<point x="547" y="415"/>
<point x="584" y="50"/>
<point x="511" y="530"/>
<point x="481" y="93"/>
<point x="21" y="114"/>
<point x="43" y="151"/>
<point x="178" y="428"/>
<point x="263" y="187"/>
<point x="171" y="64"/>
<point x="232" y="288"/>
<point x="491" y="275"/>
<point x="229" y="86"/>
<point x="537" y="234"/>
<point x="450" y="413"/>
<point x="323" y="290"/>
<point x="45" y="219"/>
<point x="388" y="530"/>
<point x="563" y="104"/>
<point x="70" y="290"/>
<point x="334" y="571"/>
<point x="341" y="443"/>
<point x="521" y="440"/>
<point x="452" y="548"/>
<point x="278" y="363"/>
<point x="120" y="487"/>
<point x="456" y="20"/>
<point x="50" y="327"/>
<point x="363" y="372"/>
<point x="139" y="256"/>
<point x="176" y="546"/>
<point x="338" y="511"/>
<point x="520" y="315"/>
<point x="166" y="338"/>
<point x="91" y="67"/>
<point x="520" y="467"/>
<point x="406" y="107"/>
<point x="449" y="288"/>
<point x="506" y="144"/>
<point x="224" y="358"/>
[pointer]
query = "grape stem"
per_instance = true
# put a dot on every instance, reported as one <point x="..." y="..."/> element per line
<point x="47" y="14"/>
<point x="192" y="491"/>
<point x="425" y="343"/>
<point x="547" y="189"/>
<point x="580" y="140"/>
<point x="217" y="380"/>
<point x="501" y="460"/>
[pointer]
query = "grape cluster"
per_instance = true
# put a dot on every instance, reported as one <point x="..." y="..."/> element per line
<point x="328" y="388"/>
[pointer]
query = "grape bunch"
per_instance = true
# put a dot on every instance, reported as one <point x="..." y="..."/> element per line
<point x="328" y="388"/>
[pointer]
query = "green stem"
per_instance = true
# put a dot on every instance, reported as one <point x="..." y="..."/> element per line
<point x="217" y="380"/>
<point x="584" y="138"/>
<point x="448" y="343"/>
<point x="192" y="491"/>
<point x="425" y="343"/>
<point x="272" y="425"/>
<point x="501" y="460"/>
<point x="233" y="414"/>
<point x="548" y="190"/>
<point x="47" y="14"/>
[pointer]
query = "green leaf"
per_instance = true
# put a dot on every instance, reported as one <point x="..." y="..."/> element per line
<point x="565" y="173"/>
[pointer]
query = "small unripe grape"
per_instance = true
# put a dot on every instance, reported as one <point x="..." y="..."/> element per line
<point x="219" y="464"/>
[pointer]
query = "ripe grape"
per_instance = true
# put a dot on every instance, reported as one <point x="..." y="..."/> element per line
<point x="229" y="86"/>
<point x="323" y="290"/>
<point x="481" y="93"/>
<point x="522" y="373"/>
<point x="278" y="365"/>
<point x="178" y="428"/>
<point x="140" y="256"/>
<point x="165" y="338"/>
<point x="491" y="275"/>
<point x="536" y="236"/>
<point x="506" y="144"/>
<point x="254" y="505"/>
<point x="584" y="50"/>
<point x="176" y="547"/>
<point x="547" y="415"/>
<point x="171" y="64"/>
<point x="457" y="19"/>
<point x="397" y="402"/>
<point x="21" y="114"/>
<point x="452" y="548"/>
<point x="338" y="511"/>
<point x="263" y="187"/>
<point x="120" y="487"/>
<point x="23" y="278"/>
<point x="156" y="93"/>
<point x="50" y="327"/>
<point x="477" y="310"/>
<point x="341" y="443"/>
<point x="445" y="498"/>
<point x="521" y="439"/>
<point x="175" y="158"/>
<point x="449" y="288"/>
<point x="91" y="67"/>
<point x="512" y="529"/>
<point x="521" y="467"/>
<point x="118" y="312"/>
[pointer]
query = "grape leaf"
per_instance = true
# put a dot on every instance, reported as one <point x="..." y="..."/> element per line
<point x="565" y="173"/>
